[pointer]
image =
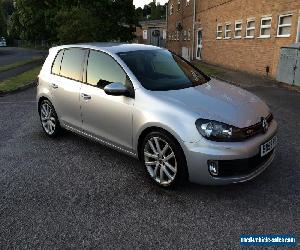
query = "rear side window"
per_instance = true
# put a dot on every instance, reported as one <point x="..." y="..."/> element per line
<point x="72" y="64"/>
<point x="103" y="69"/>
<point x="57" y="62"/>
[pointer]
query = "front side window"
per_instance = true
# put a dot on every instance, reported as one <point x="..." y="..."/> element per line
<point x="72" y="64"/>
<point x="160" y="70"/>
<point x="265" y="27"/>
<point x="284" y="25"/>
<point x="102" y="70"/>
<point x="250" y="30"/>
<point x="57" y="63"/>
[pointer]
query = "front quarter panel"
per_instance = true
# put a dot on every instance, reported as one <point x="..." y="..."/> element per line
<point x="152" y="112"/>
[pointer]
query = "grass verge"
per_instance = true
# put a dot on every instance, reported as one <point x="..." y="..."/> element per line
<point x="19" y="81"/>
<point x="207" y="69"/>
<point x="20" y="63"/>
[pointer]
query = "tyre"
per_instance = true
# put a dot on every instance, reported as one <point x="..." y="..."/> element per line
<point x="49" y="119"/>
<point x="164" y="160"/>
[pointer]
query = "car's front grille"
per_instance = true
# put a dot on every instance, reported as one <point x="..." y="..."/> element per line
<point x="242" y="167"/>
<point x="257" y="128"/>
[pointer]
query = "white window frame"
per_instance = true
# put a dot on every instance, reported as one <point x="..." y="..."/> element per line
<point x="218" y="37"/>
<point x="284" y="25"/>
<point x="145" y="34"/>
<point x="298" y="31"/>
<point x="238" y="29"/>
<point x="251" y="28"/>
<point x="171" y="9"/>
<point x="269" y="26"/>
<point x="178" y="5"/>
<point x="226" y="31"/>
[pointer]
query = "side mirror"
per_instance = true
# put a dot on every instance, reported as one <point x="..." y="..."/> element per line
<point x="116" y="89"/>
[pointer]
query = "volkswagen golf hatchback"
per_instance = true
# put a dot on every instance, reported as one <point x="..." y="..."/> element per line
<point x="151" y="104"/>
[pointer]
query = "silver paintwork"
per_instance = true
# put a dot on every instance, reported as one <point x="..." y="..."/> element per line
<point x="118" y="121"/>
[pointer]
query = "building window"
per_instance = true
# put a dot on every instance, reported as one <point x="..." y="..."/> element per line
<point x="227" y="30"/>
<point x="189" y="35"/>
<point x="250" y="30"/>
<point x="284" y="25"/>
<point x="171" y="9"/>
<point x="184" y="35"/>
<point x="145" y="34"/>
<point x="238" y="29"/>
<point x="164" y="34"/>
<point x="188" y="2"/>
<point x="178" y="5"/>
<point x="219" y="31"/>
<point x="265" y="27"/>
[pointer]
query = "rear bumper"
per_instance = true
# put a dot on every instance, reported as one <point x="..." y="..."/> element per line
<point x="198" y="154"/>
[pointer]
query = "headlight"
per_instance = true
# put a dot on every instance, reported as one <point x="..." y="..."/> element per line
<point x="218" y="131"/>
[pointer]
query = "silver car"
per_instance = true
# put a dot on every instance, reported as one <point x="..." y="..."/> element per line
<point x="153" y="105"/>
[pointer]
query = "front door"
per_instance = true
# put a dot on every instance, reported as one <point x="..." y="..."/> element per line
<point x="199" y="45"/>
<point x="108" y="118"/>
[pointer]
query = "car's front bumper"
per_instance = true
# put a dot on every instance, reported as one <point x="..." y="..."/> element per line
<point x="198" y="154"/>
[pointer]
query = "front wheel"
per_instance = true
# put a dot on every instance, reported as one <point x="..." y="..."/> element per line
<point x="49" y="119"/>
<point x="164" y="160"/>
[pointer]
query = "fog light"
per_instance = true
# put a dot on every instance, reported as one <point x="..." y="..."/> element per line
<point x="213" y="168"/>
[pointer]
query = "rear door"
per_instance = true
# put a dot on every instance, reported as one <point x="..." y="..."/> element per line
<point x="108" y="118"/>
<point x="66" y="82"/>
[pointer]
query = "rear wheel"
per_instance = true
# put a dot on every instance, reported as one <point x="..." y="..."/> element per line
<point x="49" y="119"/>
<point x="164" y="160"/>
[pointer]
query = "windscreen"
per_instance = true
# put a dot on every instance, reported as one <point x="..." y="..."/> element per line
<point x="160" y="70"/>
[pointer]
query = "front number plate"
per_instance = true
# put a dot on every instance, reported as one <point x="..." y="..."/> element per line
<point x="268" y="146"/>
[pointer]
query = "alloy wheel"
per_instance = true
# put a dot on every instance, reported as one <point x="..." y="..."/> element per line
<point x="160" y="161"/>
<point x="48" y="118"/>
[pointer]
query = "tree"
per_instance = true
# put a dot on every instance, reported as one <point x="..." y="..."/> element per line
<point x="3" y="27"/>
<point x="69" y="21"/>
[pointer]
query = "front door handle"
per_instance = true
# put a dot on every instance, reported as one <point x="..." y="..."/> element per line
<point x="86" y="97"/>
<point x="53" y="85"/>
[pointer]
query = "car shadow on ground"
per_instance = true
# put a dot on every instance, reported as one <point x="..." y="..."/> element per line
<point x="266" y="189"/>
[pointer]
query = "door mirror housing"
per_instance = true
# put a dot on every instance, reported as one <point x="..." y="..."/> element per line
<point x="117" y="89"/>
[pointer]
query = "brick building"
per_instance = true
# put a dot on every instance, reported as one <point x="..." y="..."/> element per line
<point x="152" y="32"/>
<point x="238" y="34"/>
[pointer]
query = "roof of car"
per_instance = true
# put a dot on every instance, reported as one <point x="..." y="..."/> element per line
<point x="111" y="47"/>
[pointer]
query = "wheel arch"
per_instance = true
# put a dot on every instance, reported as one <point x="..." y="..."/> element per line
<point x="150" y="129"/>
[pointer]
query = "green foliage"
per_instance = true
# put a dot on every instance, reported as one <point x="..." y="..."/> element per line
<point x="152" y="11"/>
<point x="72" y="21"/>
<point x="3" y="27"/>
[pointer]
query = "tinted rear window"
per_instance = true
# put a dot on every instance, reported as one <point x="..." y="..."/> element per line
<point x="57" y="63"/>
<point x="72" y="64"/>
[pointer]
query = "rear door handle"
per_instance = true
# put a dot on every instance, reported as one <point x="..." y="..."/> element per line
<point x="86" y="97"/>
<point x="53" y="85"/>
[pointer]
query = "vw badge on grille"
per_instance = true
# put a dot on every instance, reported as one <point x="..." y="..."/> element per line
<point x="265" y="124"/>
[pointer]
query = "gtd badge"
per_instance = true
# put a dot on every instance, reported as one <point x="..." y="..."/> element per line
<point x="265" y="124"/>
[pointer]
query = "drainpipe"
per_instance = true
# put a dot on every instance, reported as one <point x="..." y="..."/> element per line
<point x="194" y="18"/>
<point x="167" y="20"/>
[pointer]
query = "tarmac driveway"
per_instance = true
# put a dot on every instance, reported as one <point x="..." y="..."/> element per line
<point x="74" y="193"/>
